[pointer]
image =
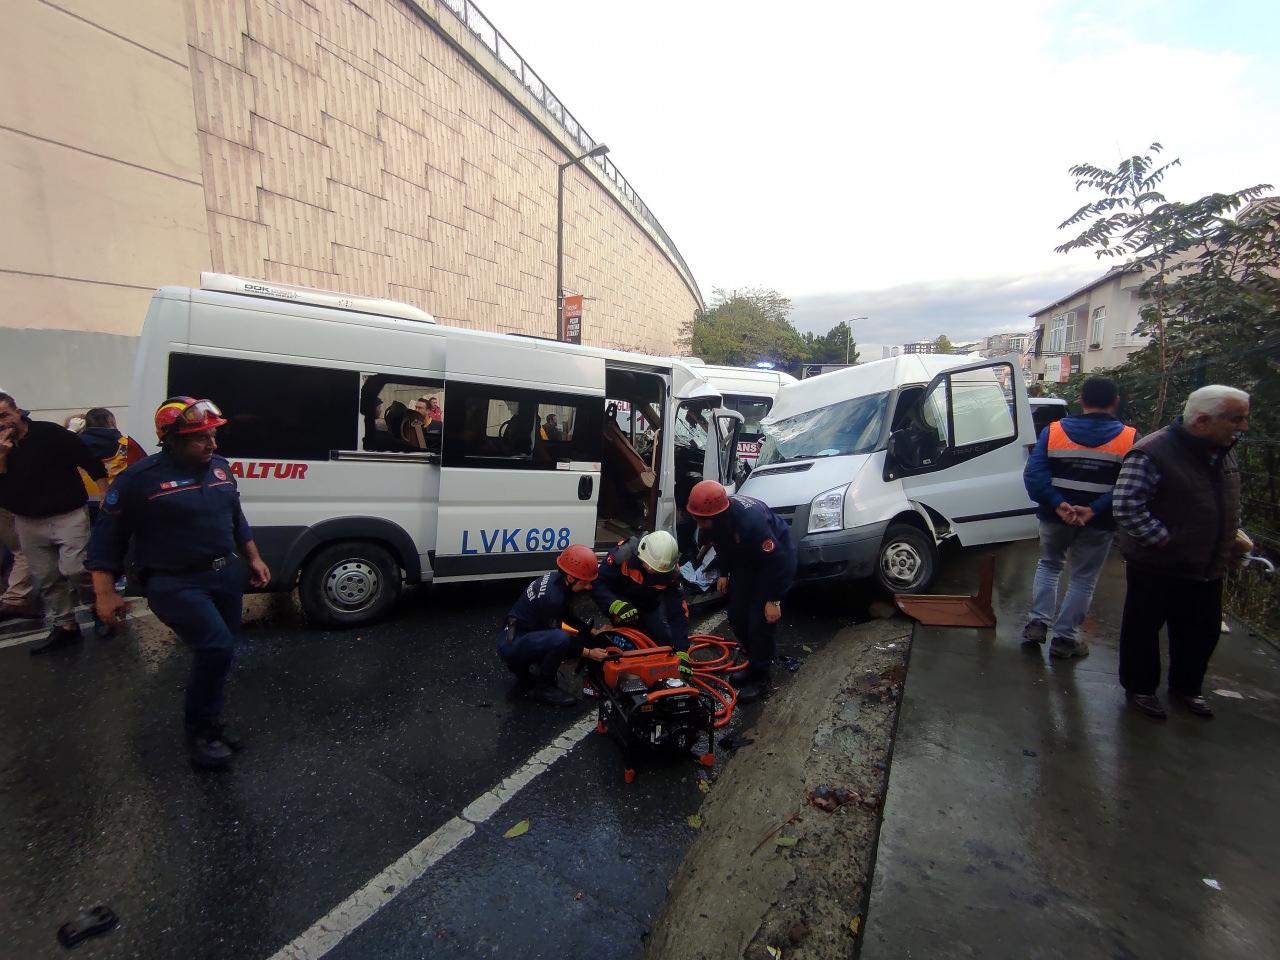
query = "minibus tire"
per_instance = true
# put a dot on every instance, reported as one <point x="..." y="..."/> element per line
<point x="907" y="560"/>
<point x="348" y="584"/>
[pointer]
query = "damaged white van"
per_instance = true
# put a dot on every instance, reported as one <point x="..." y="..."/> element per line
<point x="876" y="465"/>
<point x="375" y="447"/>
<point x="751" y="392"/>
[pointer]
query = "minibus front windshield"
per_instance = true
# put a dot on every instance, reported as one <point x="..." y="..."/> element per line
<point x="838" y="430"/>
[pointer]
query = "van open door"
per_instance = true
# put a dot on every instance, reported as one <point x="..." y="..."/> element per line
<point x="721" y="456"/>
<point x="520" y="466"/>
<point x="963" y="450"/>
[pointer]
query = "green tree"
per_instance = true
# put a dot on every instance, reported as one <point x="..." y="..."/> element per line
<point x="1212" y="312"/>
<point x="744" y="326"/>
<point x="835" y="346"/>
<point x="944" y="344"/>
<point x="1132" y="219"/>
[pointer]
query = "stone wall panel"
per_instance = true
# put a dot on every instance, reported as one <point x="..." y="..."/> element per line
<point x="232" y="176"/>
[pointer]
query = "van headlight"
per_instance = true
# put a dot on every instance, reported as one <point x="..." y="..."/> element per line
<point x="826" y="511"/>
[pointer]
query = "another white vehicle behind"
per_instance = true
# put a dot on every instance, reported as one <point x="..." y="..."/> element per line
<point x="876" y="465"/>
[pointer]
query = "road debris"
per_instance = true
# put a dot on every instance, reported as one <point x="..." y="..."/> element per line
<point x="519" y="830"/>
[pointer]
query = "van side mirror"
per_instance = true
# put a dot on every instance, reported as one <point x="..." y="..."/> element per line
<point x="903" y="449"/>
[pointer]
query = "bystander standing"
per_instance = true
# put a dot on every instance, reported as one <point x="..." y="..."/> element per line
<point x="1177" y="504"/>
<point x="40" y="486"/>
<point x="1071" y="473"/>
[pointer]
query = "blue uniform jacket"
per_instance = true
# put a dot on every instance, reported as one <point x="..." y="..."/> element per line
<point x="753" y="541"/>
<point x="1090" y="430"/>
<point x="177" y="517"/>
<point x="624" y="577"/>
<point x="548" y="602"/>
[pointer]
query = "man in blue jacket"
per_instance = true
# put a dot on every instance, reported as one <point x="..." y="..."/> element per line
<point x="1071" y="474"/>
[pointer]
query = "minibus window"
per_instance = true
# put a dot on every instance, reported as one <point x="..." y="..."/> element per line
<point x="493" y="426"/>
<point x="844" y="428"/>
<point x="274" y="411"/>
<point x="979" y="409"/>
<point x="401" y="414"/>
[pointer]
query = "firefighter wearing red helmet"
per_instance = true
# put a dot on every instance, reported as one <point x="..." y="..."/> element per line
<point x="757" y="562"/>
<point x="180" y="509"/>
<point x="533" y="641"/>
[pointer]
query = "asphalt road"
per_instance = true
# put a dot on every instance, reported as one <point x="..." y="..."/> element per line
<point x="361" y="745"/>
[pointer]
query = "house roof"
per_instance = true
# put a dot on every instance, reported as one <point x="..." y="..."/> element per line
<point x="1110" y="274"/>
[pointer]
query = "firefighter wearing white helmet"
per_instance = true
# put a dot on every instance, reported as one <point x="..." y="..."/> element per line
<point x="640" y="586"/>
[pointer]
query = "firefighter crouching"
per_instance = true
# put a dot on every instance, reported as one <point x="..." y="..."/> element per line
<point x="181" y="509"/>
<point x="533" y="642"/>
<point x="758" y="562"/>
<point x="640" y="586"/>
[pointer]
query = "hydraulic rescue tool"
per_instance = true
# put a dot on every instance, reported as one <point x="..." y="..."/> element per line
<point x="652" y="702"/>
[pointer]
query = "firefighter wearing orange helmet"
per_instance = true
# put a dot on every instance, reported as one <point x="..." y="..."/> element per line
<point x="757" y="562"/>
<point x="533" y="641"/>
<point x="180" y="508"/>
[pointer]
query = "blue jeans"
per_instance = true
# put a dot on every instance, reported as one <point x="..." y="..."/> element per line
<point x="203" y="609"/>
<point x="1084" y="550"/>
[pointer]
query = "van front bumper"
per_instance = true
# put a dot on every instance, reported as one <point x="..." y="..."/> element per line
<point x="841" y="554"/>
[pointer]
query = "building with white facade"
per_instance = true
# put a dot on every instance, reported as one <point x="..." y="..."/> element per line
<point x="1090" y="328"/>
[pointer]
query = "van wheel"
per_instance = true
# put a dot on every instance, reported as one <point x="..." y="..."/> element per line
<point x="349" y="584"/>
<point x="908" y="559"/>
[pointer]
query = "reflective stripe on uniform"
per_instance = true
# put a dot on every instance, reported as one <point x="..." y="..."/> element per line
<point x="1082" y="485"/>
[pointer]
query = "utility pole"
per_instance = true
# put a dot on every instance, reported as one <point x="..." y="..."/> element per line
<point x="848" y="339"/>
<point x="599" y="150"/>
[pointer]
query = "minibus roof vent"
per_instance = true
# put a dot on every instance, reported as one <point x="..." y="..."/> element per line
<point x="226" y="283"/>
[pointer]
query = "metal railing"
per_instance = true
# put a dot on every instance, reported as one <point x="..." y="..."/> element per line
<point x="483" y="29"/>
<point x="1128" y="340"/>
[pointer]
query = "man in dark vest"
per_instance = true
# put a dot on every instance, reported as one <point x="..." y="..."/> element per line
<point x="1177" y="503"/>
<point x="1070" y="474"/>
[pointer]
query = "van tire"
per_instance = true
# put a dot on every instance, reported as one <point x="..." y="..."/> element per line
<point x="348" y="584"/>
<point x="907" y="561"/>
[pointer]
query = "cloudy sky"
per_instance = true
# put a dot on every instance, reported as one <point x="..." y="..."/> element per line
<point x="904" y="160"/>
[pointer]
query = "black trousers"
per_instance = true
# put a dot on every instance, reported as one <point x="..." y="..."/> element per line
<point x="1192" y="610"/>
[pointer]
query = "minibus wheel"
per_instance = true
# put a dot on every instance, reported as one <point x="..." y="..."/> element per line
<point x="908" y="559"/>
<point x="348" y="584"/>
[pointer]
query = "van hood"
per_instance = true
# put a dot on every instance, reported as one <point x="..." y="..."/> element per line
<point x="796" y="483"/>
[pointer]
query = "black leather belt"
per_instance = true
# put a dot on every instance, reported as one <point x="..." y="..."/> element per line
<point x="215" y="564"/>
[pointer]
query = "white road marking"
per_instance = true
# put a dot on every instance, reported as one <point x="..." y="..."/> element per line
<point x="340" y="922"/>
<point x="42" y="632"/>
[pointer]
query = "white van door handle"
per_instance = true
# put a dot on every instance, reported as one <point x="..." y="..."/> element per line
<point x="585" y="485"/>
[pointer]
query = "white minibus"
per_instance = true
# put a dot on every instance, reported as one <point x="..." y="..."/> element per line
<point x="374" y="447"/>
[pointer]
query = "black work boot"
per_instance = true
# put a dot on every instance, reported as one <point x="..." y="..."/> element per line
<point x="756" y="688"/>
<point x="207" y="748"/>
<point x="552" y="695"/>
<point x="228" y="735"/>
<point x="58" y="637"/>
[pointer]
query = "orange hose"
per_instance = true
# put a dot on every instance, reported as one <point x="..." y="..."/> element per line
<point x="706" y="673"/>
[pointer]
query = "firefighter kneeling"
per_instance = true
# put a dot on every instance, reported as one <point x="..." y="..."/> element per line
<point x="640" y="587"/>
<point x="533" y="641"/>
<point x="758" y="562"/>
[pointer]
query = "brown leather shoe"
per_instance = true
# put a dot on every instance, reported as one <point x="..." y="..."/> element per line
<point x="20" y="611"/>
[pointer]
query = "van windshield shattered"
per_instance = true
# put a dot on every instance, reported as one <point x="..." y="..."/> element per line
<point x="847" y="427"/>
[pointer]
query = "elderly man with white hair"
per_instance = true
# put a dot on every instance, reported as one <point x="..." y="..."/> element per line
<point x="1177" y="505"/>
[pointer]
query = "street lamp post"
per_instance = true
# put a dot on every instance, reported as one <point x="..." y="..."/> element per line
<point x="848" y="339"/>
<point x="599" y="150"/>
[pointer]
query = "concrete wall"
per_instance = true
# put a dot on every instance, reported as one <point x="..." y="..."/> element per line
<point x="371" y="146"/>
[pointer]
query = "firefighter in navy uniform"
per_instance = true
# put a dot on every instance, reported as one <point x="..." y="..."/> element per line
<point x="181" y="509"/>
<point x="532" y="642"/>
<point x="758" y="562"/>
<point x="640" y="587"/>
